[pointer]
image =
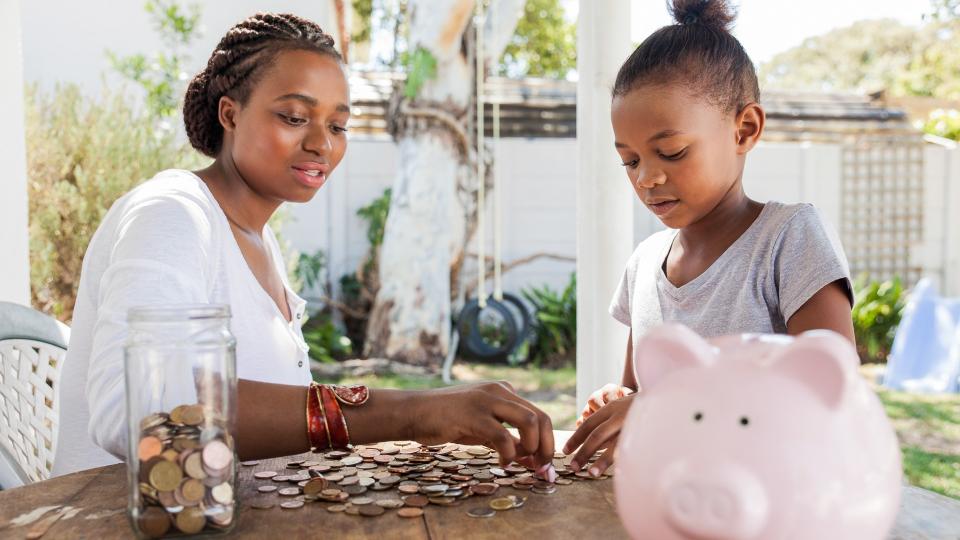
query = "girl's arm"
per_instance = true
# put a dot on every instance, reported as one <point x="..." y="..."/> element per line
<point x="828" y="309"/>
<point x="629" y="378"/>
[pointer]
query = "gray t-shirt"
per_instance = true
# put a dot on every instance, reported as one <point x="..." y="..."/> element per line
<point x="786" y="255"/>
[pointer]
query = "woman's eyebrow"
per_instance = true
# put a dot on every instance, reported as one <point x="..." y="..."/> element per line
<point x="299" y="97"/>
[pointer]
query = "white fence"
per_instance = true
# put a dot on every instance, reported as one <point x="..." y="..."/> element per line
<point x="538" y="182"/>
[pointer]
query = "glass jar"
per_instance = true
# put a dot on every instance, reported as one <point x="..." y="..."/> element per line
<point x="181" y="388"/>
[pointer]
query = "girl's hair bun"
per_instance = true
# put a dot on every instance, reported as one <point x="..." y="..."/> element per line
<point x="715" y="14"/>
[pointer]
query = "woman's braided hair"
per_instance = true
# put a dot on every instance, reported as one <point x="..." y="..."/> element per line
<point x="237" y="63"/>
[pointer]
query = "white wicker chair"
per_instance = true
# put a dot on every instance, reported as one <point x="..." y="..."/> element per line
<point x="32" y="351"/>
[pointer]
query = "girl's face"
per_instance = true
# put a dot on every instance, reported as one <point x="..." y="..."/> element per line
<point x="682" y="154"/>
<point x="291" y="133"/>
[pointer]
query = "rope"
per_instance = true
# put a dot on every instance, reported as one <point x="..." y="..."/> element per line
<point x="481" y="166"/>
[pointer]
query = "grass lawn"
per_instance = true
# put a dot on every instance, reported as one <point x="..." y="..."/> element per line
<point x="928" y="426"/>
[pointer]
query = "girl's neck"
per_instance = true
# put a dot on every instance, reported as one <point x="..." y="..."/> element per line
<point x="245" y="209"/>
<point x="729" y="219"/>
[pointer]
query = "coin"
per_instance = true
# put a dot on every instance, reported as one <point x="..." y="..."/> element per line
<point x="191" y="520"/>
<point x="222" y="493"/>
<point x="192" y="490"/>
<point x="410" y="512"/>
<point x="262" y="503"/>
<point x="390" y="503"/>
<point x="481" y="512"/>
<point x="484" y="489"/>
<point x="154" y="522"/>
<point x="361" y="501"/>
<point x="289" y="492"/>
<point x="291" y="505"/>
<point x="165" y="476"/>
<point x="149" y="447"/>
<point x="263" y="475"/>
<point x="336" y="508"/>
<point x="192" y="415"/>
<point x="517" y="500"/>
<point x="217" y="455"/>
<point x="355" y="490"/>
<point x="267" y="489"/>
<point x="250" y="463"/>
<point x="409" y="489"/>
<point x="193" y="466"/>
<point x="416" y="500"/>
<point x="501" y="504"/>
<point x="314" y="486"/>
<point x="371" y="510"/>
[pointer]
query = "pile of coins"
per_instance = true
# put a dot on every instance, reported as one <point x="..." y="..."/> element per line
<point x="405" y="477"/>
<point x="186" y="473"/>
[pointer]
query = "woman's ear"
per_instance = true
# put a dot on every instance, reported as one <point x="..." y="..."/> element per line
<point x="227" y="110"/>
<point x="750" y="121"/>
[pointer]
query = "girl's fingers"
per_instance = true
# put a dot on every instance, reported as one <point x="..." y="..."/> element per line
<point x="606" y="458"/>
<point x="600" y="437"/>
<point x="588" y="425"/>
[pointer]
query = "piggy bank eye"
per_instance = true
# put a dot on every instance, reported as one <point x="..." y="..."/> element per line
<point x="697" y="416"/>
<point x="744" y="421"/>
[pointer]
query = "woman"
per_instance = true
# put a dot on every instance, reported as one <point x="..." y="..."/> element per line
<point x="271" y="109"/>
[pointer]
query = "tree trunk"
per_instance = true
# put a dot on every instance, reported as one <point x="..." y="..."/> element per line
<point x="427" y="226"/>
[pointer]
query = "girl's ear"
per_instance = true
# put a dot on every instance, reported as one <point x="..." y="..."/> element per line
<point x="227" y="110"/>
<point x="750" y="121"/>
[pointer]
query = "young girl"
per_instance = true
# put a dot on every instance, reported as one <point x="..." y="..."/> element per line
<point x="685" y="114"/>
<point x="270" y="108"/>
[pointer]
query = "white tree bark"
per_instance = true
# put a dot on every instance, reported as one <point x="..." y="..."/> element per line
<point x="425" y="229"/>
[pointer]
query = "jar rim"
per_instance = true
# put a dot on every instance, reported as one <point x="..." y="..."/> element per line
<point x="178" y="312"/>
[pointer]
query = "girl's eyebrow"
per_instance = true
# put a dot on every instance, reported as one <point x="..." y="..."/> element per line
<point x="341" y="107"/>
<point x="665" y="134"/>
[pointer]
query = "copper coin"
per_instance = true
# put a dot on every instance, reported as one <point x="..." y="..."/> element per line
<point x="149" y="447"/>
<point x="484" y="489"/>
<point x="563" y="481"/>
<point x="410" y="512"/>
<point x="371" y="510"/>
<point x="263" y="475"/>
<point x="165" y="476"/>
<point x="154" y="522"/>
<point x="418" y="501"/>
<point x="314" y="486"/>
<point x="409" y="489"/>
<point x="291" y="505"/>
<point x="193" y="466"/>
<point x="336" y="508"/>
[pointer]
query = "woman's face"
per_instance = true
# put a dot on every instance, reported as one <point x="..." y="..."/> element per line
<point x="291" y="133"/>
<point x="681" y="154"/>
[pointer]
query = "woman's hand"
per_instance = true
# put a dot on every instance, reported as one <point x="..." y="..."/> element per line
<point x="475" y="413"/>
<point x="609" y="392"/>
<point x="600" y="431"/>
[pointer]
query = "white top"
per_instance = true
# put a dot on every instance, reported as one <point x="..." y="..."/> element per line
<point x="165" y="242"/>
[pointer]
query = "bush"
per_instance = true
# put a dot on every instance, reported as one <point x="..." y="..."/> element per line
<point x="555" y="324"/>
<point x="943" y="123"/>
<point x="82" y="155"/>
<point x="327" y="343"/>
<point x="877" y="310"/>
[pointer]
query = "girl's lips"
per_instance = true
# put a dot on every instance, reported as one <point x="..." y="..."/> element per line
<point x="309" y="180"/>
<point x="663" y="208"/>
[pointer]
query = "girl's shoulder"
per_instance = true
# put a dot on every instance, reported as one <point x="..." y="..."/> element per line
<point x="173" y="195"/>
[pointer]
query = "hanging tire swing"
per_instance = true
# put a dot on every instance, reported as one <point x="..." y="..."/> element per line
<point x="491" y="328"/>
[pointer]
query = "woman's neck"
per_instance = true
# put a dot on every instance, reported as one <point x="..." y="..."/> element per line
<point x="246" y="209"/>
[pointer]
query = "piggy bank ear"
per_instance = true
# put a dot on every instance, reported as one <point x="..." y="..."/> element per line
<point x="667" y="348"/>
<point x="822" y="361"/>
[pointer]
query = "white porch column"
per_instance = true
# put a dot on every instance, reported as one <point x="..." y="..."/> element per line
<point x="604" y="197"/>
<point x="14" y="249"/>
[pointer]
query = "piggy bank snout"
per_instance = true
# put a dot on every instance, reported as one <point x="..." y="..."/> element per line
<point x="727" y="502"/>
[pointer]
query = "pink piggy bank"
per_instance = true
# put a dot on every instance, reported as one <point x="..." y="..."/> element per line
<point x="754" y="436"/>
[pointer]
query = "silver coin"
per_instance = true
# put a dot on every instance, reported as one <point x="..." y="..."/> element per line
<point x="481" y="512"/>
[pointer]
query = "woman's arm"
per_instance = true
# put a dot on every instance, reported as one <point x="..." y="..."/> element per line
<point x="629" y="377"/>
<point x="272" y="421"/>
<point x="828" y="309"/>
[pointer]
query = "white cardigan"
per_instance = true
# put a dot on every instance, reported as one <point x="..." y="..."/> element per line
<point x="165" y="242"/>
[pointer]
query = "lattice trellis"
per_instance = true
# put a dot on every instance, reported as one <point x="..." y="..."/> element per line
<point x="882" y="205"/>
<point x="29" y="411"/>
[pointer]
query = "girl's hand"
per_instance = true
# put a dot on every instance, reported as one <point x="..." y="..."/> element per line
<point x="609" y="392"/>
<point x="600" y="431"/>
<point x="475" y="413"/>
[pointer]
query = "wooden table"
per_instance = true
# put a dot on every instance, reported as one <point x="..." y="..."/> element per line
<point x="581" y="510"/>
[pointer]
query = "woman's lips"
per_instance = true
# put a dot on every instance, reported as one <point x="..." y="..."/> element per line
<point x="311" y="179"/>
<point x="664" y="207"/>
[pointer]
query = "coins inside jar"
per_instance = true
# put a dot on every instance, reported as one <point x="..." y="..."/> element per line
<point x="186" y="470"/>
